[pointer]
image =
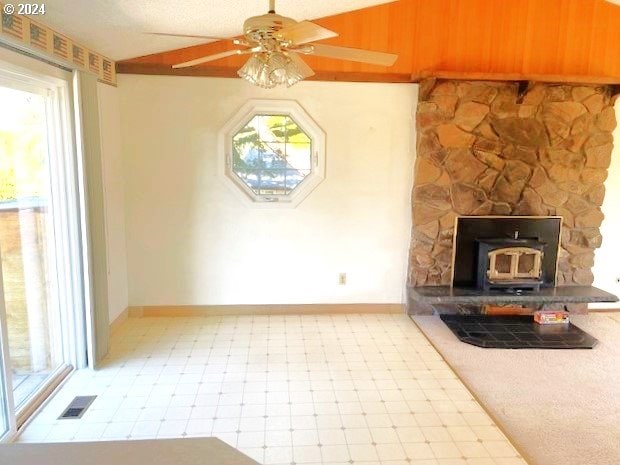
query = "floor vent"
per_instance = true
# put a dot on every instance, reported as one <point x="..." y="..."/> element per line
<point x="77" y="407"/>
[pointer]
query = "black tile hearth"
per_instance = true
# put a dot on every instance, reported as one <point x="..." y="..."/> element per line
<point x="516" y="332"/>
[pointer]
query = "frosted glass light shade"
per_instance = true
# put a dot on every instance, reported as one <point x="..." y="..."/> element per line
<point x="268" y="70"/>
<point x="256" y="71"/>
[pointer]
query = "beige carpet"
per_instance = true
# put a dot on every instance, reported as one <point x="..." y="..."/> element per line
<point x="559" y="407"/>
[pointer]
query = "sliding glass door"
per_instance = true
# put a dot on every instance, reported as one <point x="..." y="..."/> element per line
<point x="40" y="250"/>
<point x="27" y="243"/>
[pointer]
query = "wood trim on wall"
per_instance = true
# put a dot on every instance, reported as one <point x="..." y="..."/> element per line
<point x="246" y="310"/>
<point x="604" y="310"/>
<point x="158" y="69"/>
<point x="119" y="321"/>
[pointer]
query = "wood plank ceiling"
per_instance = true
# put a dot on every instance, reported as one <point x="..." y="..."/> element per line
<point x="546" y="40"/>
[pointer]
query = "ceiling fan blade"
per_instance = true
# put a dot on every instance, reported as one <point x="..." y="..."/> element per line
<point x="216" y="56"/>
<point x="304" y="32"/>
<point x="305" y="70"/>
<point x="166" y="34"/>
<point x="354" y="54"/>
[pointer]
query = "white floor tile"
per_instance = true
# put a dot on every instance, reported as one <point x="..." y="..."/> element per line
<point x="145" y="429"/>
<point x="312" y="389"/>
<point x="118" y="430"/>
<point x="362" y="452"/>
<point x="199" y="427"/>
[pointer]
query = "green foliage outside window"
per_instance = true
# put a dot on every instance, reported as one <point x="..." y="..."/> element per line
<point x="22" y="145"/>
<point x="271" y="154"/>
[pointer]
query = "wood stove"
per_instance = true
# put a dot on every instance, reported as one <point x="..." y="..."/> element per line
<point x="508" y="253"/>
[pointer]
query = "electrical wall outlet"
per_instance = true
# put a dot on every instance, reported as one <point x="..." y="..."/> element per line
<point x="342" y="279"/>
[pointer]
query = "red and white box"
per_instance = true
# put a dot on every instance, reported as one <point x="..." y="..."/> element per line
<point x="551" y="317"/>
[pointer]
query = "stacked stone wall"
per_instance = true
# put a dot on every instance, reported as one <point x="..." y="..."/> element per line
<point x="498" y="148"/>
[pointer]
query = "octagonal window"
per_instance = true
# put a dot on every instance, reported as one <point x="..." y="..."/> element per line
<point x="274" y="152"/>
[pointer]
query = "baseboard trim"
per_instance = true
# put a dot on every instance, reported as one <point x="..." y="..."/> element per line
<point x="241" y="310"/>
<point x="119" y="320"/>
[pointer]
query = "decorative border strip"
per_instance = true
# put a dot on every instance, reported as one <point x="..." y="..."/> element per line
<point x="41" y="39"/>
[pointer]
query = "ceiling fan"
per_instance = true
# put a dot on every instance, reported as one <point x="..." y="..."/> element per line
<point x="275" y="44"/>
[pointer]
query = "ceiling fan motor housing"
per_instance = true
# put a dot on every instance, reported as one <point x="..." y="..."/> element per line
<point x="259" y="28"/>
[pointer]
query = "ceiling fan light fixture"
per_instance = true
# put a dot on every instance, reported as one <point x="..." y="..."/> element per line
<point x="255" y="71"/>
<point x="277" y="67"/>
<point x="269" y="70"/>
<point x="293" y="73"/>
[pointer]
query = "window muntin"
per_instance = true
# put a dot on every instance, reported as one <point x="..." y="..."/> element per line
<point x="272" y="154"/>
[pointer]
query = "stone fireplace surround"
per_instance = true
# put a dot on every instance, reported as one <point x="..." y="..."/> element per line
<point x="505" y="148"/>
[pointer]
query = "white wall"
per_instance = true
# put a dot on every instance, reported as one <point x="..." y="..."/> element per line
<point x="191" y="241"/>
<point x="607" y="259"/>
<point x="114" y="198"/>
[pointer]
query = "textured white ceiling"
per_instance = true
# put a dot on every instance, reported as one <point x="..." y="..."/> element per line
<point x="115" y="27"/>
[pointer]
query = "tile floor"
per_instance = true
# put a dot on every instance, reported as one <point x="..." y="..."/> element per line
<point x="315" y="389"/>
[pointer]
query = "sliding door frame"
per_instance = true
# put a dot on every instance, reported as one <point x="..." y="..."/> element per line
<point x="66" y="226"/>
<point x="5" y="374"/>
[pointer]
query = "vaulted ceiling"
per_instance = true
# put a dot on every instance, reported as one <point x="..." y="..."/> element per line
<point x="115" y="28"/>
<point x="576" y="40"/>
<point x="563" y="40"/>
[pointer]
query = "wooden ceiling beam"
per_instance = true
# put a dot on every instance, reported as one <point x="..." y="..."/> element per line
<point x="158" y="69"/>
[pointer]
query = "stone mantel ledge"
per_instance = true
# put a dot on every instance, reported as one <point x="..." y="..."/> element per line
<point x="432" y="295"/>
